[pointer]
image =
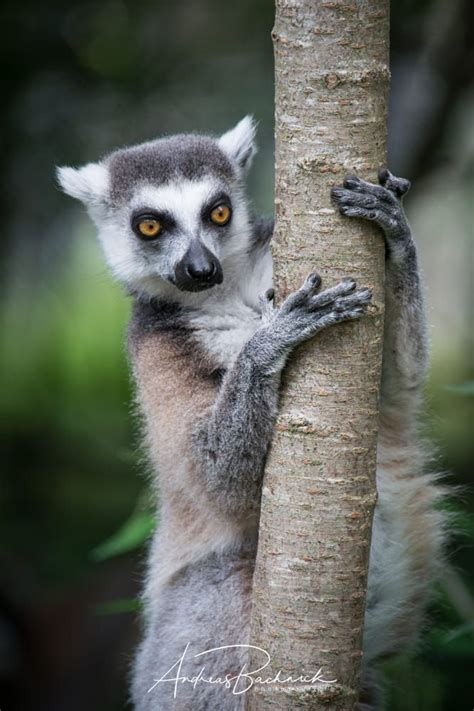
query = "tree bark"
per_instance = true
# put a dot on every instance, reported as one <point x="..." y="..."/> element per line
<point x="332" y="80"/>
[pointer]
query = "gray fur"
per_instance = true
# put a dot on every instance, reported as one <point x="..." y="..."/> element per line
<point x="405" y="340"/>
<point x="233" y="442"/>
<point x="185" y="156"/>
<point x="208" y="368"/>
<point x="184" y="620"/>
<point x="262" y="232"/>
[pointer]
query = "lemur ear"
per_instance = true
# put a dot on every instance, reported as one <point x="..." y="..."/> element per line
<point x="239" y="142"/>
<point x="88" y="184"/>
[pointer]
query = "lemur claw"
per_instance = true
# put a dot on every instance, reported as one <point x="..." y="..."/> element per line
<point x="379" y="203"/>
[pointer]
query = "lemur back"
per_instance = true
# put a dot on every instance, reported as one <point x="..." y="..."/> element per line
<point x="207" y="348"/>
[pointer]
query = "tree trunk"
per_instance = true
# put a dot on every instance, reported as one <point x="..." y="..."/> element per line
<point x="319" y="489"/>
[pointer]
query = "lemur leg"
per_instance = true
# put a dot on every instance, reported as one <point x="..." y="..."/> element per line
<point x="232" y="442"/>
<point x="407" y="530"/>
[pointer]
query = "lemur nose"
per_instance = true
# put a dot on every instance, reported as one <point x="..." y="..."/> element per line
<point x="202" y="272"/>
<point x="199" y="269"/>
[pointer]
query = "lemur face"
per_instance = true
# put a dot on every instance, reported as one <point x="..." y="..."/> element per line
<point x="170" y="213"/>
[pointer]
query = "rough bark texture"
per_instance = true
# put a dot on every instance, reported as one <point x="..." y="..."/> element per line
<point x="319" y="491"/>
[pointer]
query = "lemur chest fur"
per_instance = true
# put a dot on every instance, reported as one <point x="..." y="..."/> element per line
<point x="223" y="330"/>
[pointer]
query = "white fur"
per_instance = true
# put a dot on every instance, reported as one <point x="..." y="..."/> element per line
<point x="88" y="184"/>
<point x="224" y="328"/>
<point x="239" y="142"/>
<point x="231" y="313"/>
<point x="183" y="199"/>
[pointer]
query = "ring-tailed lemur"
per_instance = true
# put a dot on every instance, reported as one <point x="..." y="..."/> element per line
<point x="207" y="348"/>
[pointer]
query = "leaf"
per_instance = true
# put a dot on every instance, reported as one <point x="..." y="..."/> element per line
<point x="457" y="642"/>
<point x="117" y="607"/>
<point x="461" y="521"/>
<point x="129" y="537"/>
<point x="411" y="685"/>
<point x="460" y="630"/>
<point x="466" y="389"/>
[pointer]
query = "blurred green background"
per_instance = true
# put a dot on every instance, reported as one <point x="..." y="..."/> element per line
<point x="78" y="80"/>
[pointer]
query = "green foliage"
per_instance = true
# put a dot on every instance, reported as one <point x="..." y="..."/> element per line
<point x="130" y="536"/>
<point x="60" y="346"/>
<point x="458" y="641"/>
<point x="118" y="607"/>
<point x="432" y="679"/>
<point x="69" y="455"/>
<point x="412" y="685"/>
<point x="461" y="521"/>
<point x="466" y="389"/>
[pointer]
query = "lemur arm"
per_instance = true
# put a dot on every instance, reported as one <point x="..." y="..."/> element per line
<point x="405" y="342"/>
<point x="408" y="530"/>
<point x="233" y="440"/>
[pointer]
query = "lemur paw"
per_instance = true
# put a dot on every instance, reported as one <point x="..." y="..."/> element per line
<point x="306" y="311"/>
<point x="380" y="203"/>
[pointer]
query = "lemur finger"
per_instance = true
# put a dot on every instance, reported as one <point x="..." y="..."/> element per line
<point x="359" y="298"/>
<point x="356" y="184"/>
<point x="311" y="286"/>
<point x="332" y="317"/>
<point x="311" y="283"/>
<point x="353" y="211"/>
<point x="345" y="287"/>
<point x="390" y="222"/>
<point x="350" y="197"/>
<point x="339" y="316"/>
<point x="349" y="314"/>
<point x="398" y="186"/>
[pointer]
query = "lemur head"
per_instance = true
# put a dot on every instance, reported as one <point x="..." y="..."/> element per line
<point x="170" y="213"/>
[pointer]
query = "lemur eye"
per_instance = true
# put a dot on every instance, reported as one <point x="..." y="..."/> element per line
<point x="149" y="228"/>
<point x="220" y="215"/>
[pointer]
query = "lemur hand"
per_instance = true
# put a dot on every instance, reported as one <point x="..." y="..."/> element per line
<point x="380" y="203"/>
<point x="306" y="311"/>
